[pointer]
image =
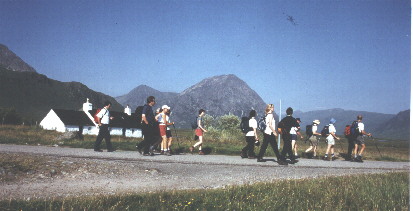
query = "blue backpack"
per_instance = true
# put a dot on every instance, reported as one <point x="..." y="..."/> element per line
<point x="261" y="124"/>
<point x="354" y="129"/>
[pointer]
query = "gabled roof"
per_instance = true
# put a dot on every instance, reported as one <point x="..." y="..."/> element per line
<point x="121" y="119"/>
<point x="70" y="117"/>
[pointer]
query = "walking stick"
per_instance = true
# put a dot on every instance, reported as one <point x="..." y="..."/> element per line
<point x="375" y="141"/>
<point x="176" y="135"/>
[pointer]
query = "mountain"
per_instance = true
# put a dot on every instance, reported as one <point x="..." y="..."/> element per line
<point x="397" y="127"/>
<point x="380" y="125"/>
<point x="218" y="95"/>
<point x="138" y="96"/>
<point x="11" y="61"/>
<point x="33" y="94"/>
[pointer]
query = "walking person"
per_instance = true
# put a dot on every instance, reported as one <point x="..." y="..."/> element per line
<point x="199" y="132"/>
<point x="360" y="139"/>
<point x="284" y="127"/>
<point x="330" y="140"/>
<point x="163" y="124"/>
<point x="312" y="139"/>
<point x="251" y="137"/>
<point x="295" y="132"/>
<point x="351" y="139"/>
<point x="148" y="127"/>
<point x="269" y="136"/>
<point x="103" y="123"/>
<point x="169" y="131"/>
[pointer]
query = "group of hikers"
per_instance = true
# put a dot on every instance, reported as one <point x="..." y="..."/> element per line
<point x="156" y="131"/>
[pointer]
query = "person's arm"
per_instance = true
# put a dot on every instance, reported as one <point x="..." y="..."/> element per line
<point x="199" y="125"/>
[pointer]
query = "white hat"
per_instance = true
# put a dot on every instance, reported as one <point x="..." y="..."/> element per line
<point x="316" y="121"/>
<point x="165" y="106"/>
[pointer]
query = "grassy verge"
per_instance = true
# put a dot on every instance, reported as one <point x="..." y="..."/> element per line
<point x="388" y="191"/>
<point x="226" y="143"/>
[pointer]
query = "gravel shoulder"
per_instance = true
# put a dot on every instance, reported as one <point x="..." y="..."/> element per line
<point x="83" y="172"/>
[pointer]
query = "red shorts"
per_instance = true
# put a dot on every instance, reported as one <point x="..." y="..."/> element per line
<point x="199" y="132"/>
<point x="162" y="130"/>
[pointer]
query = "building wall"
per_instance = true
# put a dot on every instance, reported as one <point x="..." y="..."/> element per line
<point x="52" y="122"/>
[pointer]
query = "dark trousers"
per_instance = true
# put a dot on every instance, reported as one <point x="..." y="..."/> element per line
<point x="103" y="134"/>
<point x="148" y="138"/>
<point x="248" y="150"/>
<point x="287" y="148"/>
<point x="350" y="147"/>
<point x="269" y="139"/>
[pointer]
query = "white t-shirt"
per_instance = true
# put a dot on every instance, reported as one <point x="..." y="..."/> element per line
<point x="104" y="116"/>
<point x="314" y="129"/>
<point x="331" y="129"/>
<point x="252" y="123"/>
<point x="269" y="118"/>
<point x="293" y="130"/>
<point x="361" y="126"/>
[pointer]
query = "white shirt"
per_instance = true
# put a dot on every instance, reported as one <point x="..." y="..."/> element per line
<point x="252" y="123"/>
<point x="331" y="129"/>
<point x="314" y="129"/>
<point x="361" y="126"/>
<point x="104" y="116"/>
<point x="293" y="130"/>
<point x="269" y="118"/>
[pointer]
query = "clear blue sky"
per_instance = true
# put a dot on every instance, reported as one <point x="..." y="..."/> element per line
<point x="313" y="55"/>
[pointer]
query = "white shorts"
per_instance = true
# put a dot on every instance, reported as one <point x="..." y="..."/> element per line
<point x="330" y="140"/>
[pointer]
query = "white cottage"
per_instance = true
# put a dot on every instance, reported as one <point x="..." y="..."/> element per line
<point x="124" y="124"/>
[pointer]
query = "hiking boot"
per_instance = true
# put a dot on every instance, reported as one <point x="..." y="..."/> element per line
<point x="201" y="153"/>
<point x="358" y="159"/>
<point x="325" y="158"/>
<point x="333" y="158"/>
<point x="243" y="155"/>
<point x="260" y="160"/>
<point x="293" y="161"/>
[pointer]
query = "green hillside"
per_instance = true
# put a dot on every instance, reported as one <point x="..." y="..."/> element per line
<point x="33" y="94"/>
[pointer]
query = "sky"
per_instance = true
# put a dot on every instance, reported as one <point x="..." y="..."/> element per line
<point x="311" y="55"/>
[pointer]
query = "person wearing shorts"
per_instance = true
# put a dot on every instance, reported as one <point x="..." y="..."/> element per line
<point x="295" y="132"/>
<point x="163" y="123"/>
<point x="313" y="139"/>
<point x="360" y="140"/>
<point x="199" y="132"/>
<point x="331" y="140"/>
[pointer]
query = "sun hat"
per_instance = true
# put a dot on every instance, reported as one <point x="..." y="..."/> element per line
<point x="165" y="106"/>
<point x="316" y="121"/>
<point x="332" y="121"/>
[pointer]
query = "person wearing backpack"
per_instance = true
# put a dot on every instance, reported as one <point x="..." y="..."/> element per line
<point x="284" y="128"/>
<point x="103" y="118"/>
<point x="295" y="132"/>
<point x="199" y="132"/>
<point x="312" y="138"/>
<point x="349" y="133"/>
<point x="163" y="124"/>
<point x="251" y="137"/>
<point x="269" y="136"/>
<point x="359" y="141"/>
<point x="149" y="127"/>
<point x="330" y="140"/>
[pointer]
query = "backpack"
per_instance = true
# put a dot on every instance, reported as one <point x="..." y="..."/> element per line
<point x="245" y="124"/>
<point x="95" y="117"/>
<point x="325" y="131"/>
<point x="194" y="124"/>
<point x="309" y="130"/>
<point x="261" y="124"/>
<point x="354" y="129"/>
<point x="347" y="132"/>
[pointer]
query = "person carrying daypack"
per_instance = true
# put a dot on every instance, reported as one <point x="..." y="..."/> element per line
<point x="251" y="135"/>
<point x="312" y="138"/>
<point x="284" y="127"/>
<point x="330" y="140"/>
<point x="199" y="131"/>
<point x="350" y="132"/>
<point x="103" y="118"/>
<point x="269" y="136"/>
<point x="359" y="140"/>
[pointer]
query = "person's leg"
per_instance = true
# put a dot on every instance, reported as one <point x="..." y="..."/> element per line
<point x="274" y="147"/>
<point x="328" y="150"/>
<point x="98" y="141"/>
<point x="107" y="139"/>
<point x="263" y="147"/>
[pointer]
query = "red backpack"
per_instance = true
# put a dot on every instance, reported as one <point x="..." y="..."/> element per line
<point x="347" y="131"/>
<point x="95" y="117"/>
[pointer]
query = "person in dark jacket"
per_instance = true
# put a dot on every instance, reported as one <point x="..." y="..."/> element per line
<point x="284" y="127"/>
<point x="149" y="127"/>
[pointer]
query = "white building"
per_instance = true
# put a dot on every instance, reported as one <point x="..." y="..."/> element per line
<point x="124" y="124"/>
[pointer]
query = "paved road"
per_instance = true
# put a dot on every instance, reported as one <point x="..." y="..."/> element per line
<point x="128" y="171"/>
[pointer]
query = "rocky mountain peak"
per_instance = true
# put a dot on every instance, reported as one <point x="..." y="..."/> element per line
<point x="11" y="61"/>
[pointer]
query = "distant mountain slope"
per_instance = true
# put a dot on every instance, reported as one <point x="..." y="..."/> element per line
<point x="33" y="94"/>
<point x="138" y="96"/>
<point x="11" y="61"/>
<point x="397" y="127"/>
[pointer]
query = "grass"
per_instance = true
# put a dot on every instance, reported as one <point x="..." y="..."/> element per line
<point x="389" y="191"/>
<point x="226" y="143"/>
